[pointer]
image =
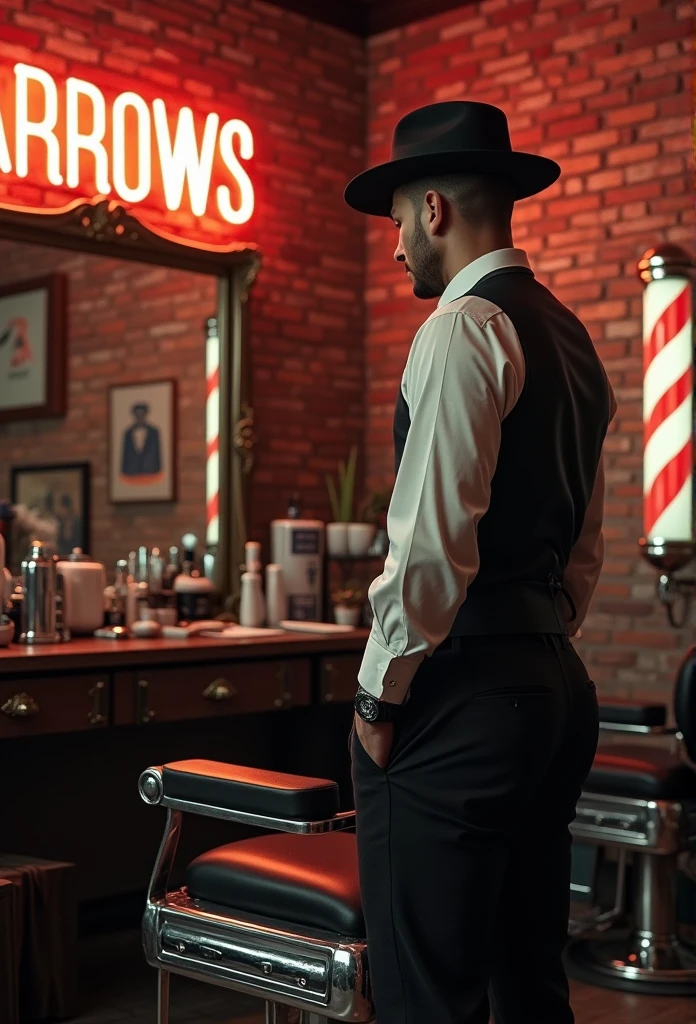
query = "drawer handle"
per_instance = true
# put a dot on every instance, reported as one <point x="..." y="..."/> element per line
<point x="143" y="714"/>
<point x="284" y="677"/>
<point x="20" y="706"/>
<point x="220" y="689"/>
<point x="97" y="716"/>
<point x="329" y="670"/>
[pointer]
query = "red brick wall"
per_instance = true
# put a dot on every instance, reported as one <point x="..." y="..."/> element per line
<point x="301" y="87"/>
<point x="127" y="322"/>
<point x="603" y="86"/>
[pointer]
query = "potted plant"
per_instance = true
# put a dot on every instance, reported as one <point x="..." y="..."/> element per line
<point x="348" y="604"/>
<point x="341" y="496"/>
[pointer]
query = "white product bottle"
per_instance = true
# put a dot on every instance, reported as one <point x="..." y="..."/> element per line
<point x="252" y="552"/>
<point x="276" y="599"/>
<point x="252" y="607"/>
<point x="297" y="545"/>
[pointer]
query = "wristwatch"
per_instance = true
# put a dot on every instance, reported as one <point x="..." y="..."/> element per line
<point x="372" y="710"/>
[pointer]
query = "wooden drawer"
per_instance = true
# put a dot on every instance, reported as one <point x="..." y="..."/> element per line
<point x="338" y="677"/>
<point x="32" y="706"/>
<point x="208" y="691"/>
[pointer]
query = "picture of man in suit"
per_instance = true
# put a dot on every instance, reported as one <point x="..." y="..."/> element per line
<point x="141" y="460"/>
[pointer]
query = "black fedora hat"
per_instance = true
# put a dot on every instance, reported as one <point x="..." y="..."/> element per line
<point x="460" y="137"/>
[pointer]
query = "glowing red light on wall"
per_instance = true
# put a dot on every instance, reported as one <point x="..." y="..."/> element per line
<point x="71" y="137"/>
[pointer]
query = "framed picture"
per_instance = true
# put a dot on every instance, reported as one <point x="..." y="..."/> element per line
<point x="59" y="492"/>
<point x="142" y="442"/>
<point x="32" y="349"/>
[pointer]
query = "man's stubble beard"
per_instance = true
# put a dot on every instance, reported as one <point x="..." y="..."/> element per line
<point x="425" y="265"/>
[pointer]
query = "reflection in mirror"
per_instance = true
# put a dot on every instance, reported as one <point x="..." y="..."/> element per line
<point x="126" y="466"/>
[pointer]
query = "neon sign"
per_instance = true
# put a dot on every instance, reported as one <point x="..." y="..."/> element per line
<point x="70" y="136"/>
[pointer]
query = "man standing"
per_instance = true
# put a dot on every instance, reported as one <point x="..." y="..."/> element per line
<point x="476" y="723"/>
<point x="141" y="448"/>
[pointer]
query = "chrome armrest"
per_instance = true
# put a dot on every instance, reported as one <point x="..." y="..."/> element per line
<point x="642" y="730"/>
<point x="251" y="796"/>
<point x="630" y="716"/>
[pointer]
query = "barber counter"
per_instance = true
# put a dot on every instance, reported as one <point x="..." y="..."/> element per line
<point x="78" y="722"/>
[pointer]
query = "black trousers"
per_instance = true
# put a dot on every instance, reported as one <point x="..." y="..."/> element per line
<point x="463" y="841"/>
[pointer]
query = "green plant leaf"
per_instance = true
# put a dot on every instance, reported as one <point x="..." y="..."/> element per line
<point x="333" y="498"/>
<point x="348" y="485"/>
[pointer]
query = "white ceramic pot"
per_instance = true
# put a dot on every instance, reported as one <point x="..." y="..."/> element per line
<point x="347" y="615"/>
<point x="84" y="581"/>
<point x="360" y="537"/>
<point x="337" y="538"/>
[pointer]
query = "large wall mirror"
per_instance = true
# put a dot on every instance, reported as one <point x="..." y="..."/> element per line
<point x="150" y="435"/>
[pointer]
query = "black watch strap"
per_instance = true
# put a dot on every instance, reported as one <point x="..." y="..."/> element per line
<point x="372" y="710"/>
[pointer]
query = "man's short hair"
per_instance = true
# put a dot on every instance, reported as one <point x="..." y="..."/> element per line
<point x="479" y="199"/>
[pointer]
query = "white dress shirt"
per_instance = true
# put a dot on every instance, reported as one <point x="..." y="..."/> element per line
<point x="465" y="372"/>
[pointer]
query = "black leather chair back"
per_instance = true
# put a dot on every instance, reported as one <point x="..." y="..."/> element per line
<point x="685" y="702"/>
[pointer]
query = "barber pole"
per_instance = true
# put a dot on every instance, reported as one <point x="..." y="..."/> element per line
<point x="667" y="397"/>
<point x="212" y="433"/>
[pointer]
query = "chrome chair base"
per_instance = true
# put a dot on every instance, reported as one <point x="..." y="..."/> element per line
<point x="648" y="957"/>
<point x="312" y="977"/>
<point x="629" y="962"/>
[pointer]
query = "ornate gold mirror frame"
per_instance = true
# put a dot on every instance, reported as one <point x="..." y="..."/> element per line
<point x="106" y="228"/>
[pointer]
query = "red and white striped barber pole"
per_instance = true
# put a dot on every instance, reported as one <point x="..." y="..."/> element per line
<point x="668" y="382"/>
<point x="212" y="433"/>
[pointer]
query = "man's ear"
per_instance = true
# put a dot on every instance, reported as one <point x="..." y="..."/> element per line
<point x="434" y="210"/>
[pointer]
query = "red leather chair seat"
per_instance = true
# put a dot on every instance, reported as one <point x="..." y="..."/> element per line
<point x="642" y="771"/>
<point x="307" y="881"/>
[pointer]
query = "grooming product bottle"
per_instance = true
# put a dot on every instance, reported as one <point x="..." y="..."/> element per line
<point x="171" y="570"/>
<point x="297" y="546"/>
<point x="143" y="565"/>
<point x="117" y="613"/>
<point x="155" y="580"/>
<point x="252" y="607"/>
<point x="193" y="591"/>
<point x="252" y="552"/>
<point x="276" y="600"/>
<point x="38" y="624"/>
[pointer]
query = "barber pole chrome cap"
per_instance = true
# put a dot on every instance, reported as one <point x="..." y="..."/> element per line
<point x="668" y="424"/>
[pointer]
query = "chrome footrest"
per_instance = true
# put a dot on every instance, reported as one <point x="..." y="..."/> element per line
<point x="630" y="962"/>
<point x="657" y="826"/>
<point x="324" y="975"/>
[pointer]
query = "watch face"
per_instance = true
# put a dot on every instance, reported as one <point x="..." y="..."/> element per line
<point x="367" y="707"/>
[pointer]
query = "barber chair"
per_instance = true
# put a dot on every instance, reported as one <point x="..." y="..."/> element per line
<point x="640" y="801"/>
<point x="277" y="917"/>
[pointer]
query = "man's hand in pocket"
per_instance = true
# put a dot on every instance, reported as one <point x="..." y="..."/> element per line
<point x="377" y="739"/>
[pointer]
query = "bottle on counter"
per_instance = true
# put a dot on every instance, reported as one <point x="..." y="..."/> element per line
<point x="142" y="565"/>
<point x="38" y="624"/>
<point x="155" y="579"/>
<point x="252" y="553"/>
<point x="297" y="546"/>
<point x="276" y="599"/>
<point x="192" y="590"/>
<point x="252" y="606"/>
<point x="171" y="570"/>
<point x="117" y="613"/>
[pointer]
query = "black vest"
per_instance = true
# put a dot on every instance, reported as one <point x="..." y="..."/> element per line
<point x="551" y="444"/>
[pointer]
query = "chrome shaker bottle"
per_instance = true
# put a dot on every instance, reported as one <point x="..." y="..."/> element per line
<point x="39" y="585"/>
